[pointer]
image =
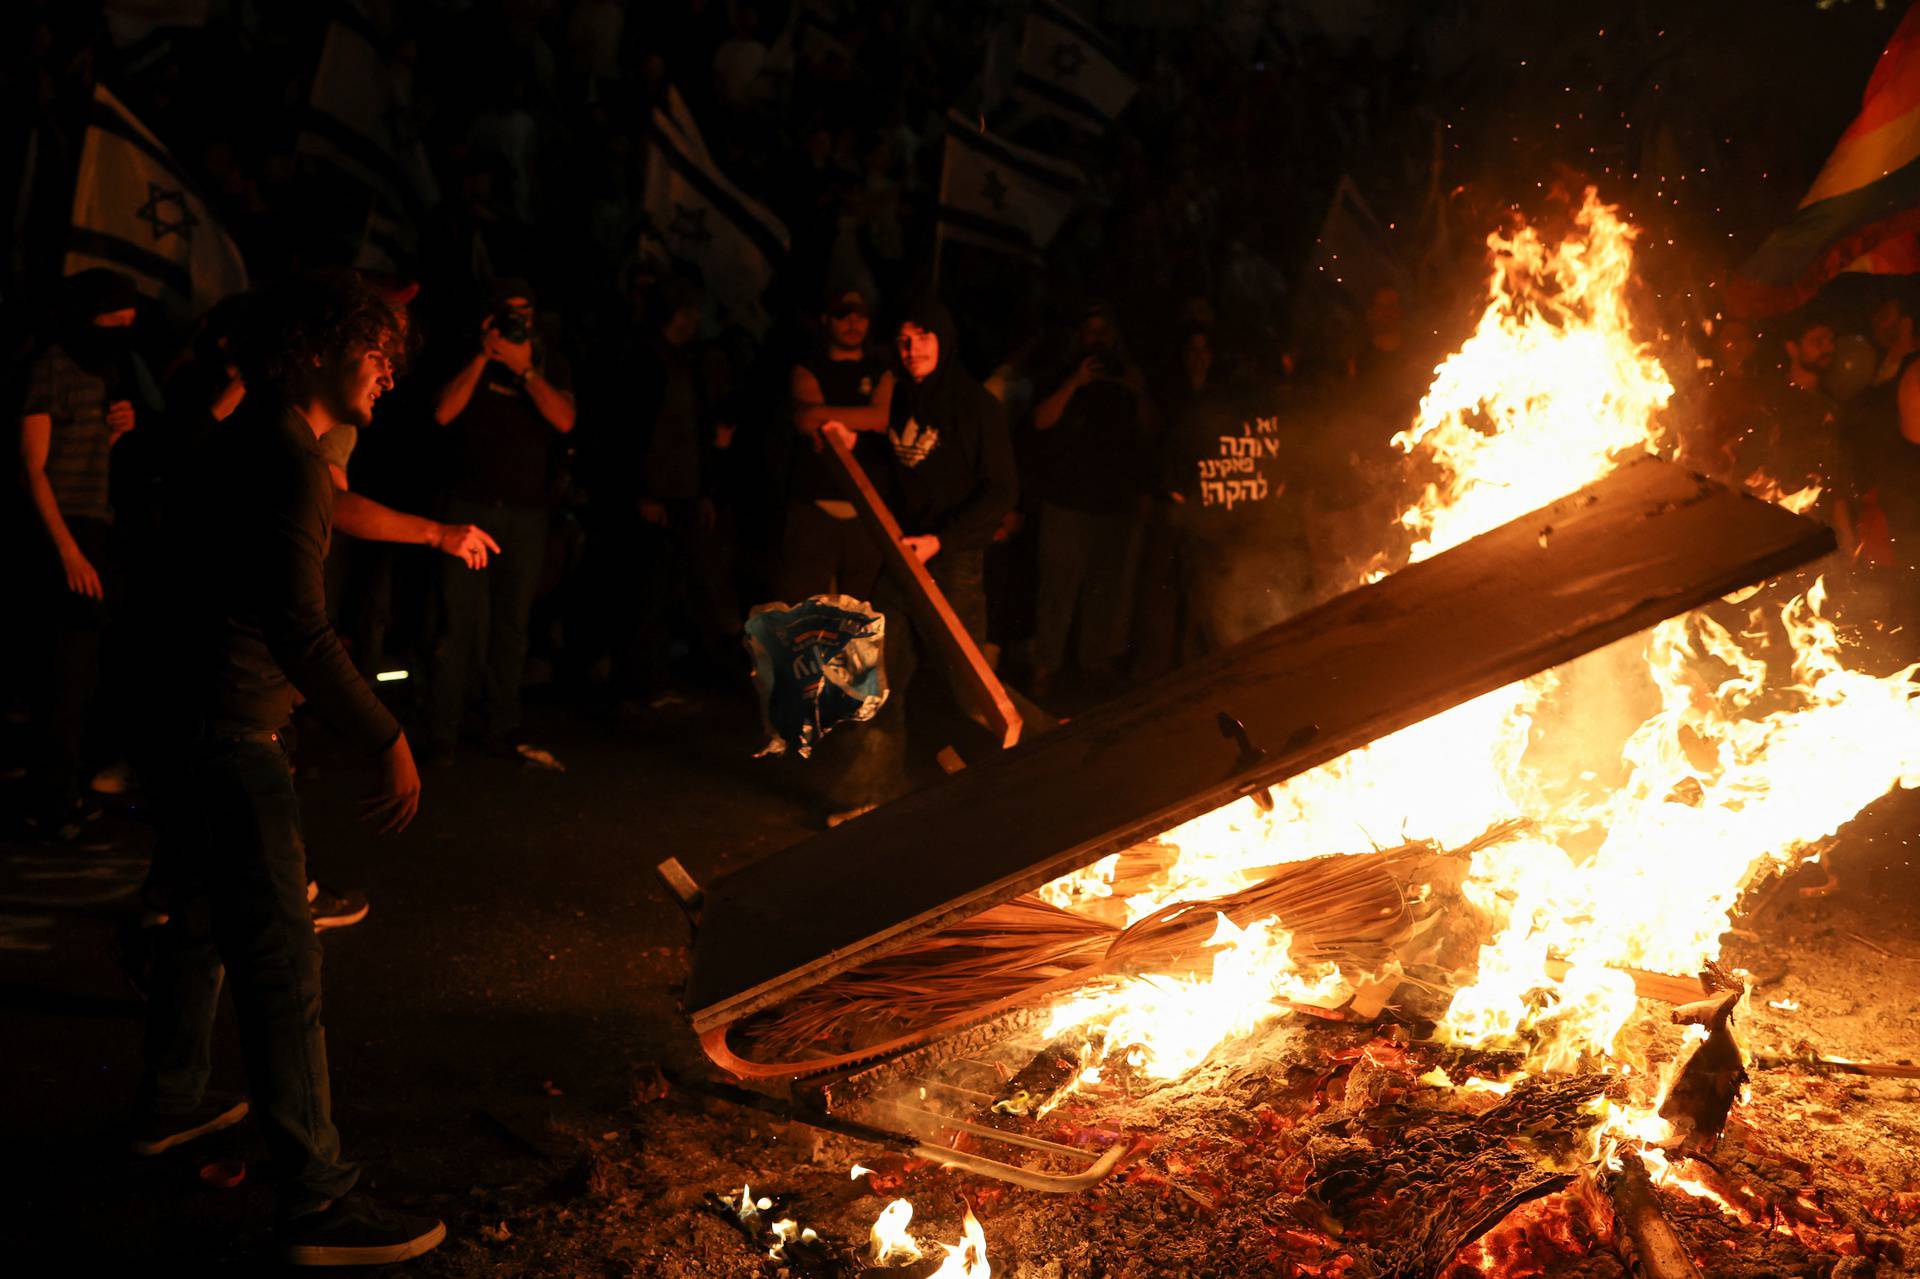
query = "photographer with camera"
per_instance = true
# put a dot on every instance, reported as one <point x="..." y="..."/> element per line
<point x="504" y="407"/>
<point x="1096" y="463"/>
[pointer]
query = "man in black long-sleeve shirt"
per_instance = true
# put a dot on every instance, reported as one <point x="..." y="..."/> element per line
<point x="948" y="476"/>
<point x="256" y="519"/>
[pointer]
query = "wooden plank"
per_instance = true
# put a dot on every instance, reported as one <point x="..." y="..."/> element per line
<point x="1649" y="541"/>
<point x="974" y="683"/>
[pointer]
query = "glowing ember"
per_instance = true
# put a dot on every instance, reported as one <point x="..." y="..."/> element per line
<point x="889" y="1243"/>
<point x="1663" y="776"/>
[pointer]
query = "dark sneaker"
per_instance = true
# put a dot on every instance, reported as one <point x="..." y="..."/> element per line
<point x="356" y="1232"/>
<point x="156" y="1133"/>
<point x="335" y="908"/>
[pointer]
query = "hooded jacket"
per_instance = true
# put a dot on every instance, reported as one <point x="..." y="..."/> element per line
<point x="949" y="468"/>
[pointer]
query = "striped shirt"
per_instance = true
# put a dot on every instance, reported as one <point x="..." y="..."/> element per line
<point x="80" y="441"/>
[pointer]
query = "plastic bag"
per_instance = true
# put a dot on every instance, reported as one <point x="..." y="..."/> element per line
<point x="816" y="664"/>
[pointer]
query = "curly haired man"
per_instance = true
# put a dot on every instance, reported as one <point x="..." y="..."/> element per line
<point x="255" y="525"/>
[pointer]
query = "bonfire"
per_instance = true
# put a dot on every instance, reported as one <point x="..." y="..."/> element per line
<point x="1500" y="884"/>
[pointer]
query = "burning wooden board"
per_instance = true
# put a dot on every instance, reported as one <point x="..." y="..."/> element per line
<point x="1647" y="542"/>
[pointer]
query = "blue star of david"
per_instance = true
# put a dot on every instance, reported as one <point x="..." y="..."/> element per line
<point x="689" y="225"/>
<point x="995" y="191"/>
<point x="162" y="223"/>
<point x="1067" y="59"/>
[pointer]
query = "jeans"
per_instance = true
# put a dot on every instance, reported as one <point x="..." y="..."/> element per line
<point x="236" y="894"/>
<point x="484" y="619"/>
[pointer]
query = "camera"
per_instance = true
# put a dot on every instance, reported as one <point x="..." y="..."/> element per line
<point x="511" y="325"/>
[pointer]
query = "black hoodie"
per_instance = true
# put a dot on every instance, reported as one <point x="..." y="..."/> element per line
<point x="950" y="469"/>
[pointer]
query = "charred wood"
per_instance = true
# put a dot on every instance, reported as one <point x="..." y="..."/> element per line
<point x="1658" y="1251"/>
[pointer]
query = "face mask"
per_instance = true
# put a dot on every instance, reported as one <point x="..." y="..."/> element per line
<point x="101" y="351"/>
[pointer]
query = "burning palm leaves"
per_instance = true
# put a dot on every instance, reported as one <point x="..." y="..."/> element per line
<point x="1341" y="914"/>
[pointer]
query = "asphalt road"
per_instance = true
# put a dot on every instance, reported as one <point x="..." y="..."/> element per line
<point x="520" y="962"/>
<point x="516" y="981"/>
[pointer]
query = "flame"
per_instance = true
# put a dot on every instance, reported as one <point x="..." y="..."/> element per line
<point x="888" y="1242"/>
<point x="1649" y="819"/>
<point x="1170" y="1024"/>
<point x="891" y="1245"/>
<point x="749" y="1207"/>
<point x="968" y="1258"/>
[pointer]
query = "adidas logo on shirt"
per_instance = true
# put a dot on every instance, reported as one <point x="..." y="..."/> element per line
<point x="913" y="442"/>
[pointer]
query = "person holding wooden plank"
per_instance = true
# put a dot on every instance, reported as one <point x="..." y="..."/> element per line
<point x="948" y="477"/>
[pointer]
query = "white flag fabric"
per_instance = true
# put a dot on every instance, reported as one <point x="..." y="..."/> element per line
<point x="708" y="222"/>
<point x="357" y="121"/>
<point x="131" y="21"/>
<point x="812" y="35"/>
<point x="135" y="211"/>
<point x="680" y="115"/>
<point x="1002" y="196"/>
<point x="385" y="245"/>
<point x="1068" y="69"/>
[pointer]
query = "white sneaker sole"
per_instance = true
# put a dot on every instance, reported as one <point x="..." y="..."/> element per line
<point x="321" y="924"/>
<point x="225" y="1119"/>
<point x="328" y="1255"/>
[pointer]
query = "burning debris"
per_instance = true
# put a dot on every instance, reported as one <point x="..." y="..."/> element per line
<point x="1497" y="1100"/>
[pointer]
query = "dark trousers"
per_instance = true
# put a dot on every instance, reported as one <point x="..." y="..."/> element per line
<point x="867" y="763"/>
<point x="1088" y="560"/>
<point x="235" y="884"/>
<point x="821" y="554"/>
<point x="483" y="622"/>
<point x="73" y="657"/>
<point x="688" y="595"/>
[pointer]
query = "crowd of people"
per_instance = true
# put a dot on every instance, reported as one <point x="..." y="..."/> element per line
<point x="538" y="453"/>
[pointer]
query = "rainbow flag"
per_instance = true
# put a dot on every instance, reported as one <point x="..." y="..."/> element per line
<point x="1863" y="211"/>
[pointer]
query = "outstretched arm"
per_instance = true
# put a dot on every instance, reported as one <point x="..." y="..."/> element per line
<point x="372" y="521"/>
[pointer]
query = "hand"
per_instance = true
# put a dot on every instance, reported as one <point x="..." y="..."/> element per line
<point x="81" y="578"/>
<point x="119" y="418"/>
<point x="1009" y="525"/>
<point x="398" y="799"/>
<point x="1090" y="370"/>
<point x="723" y="435"/>
<point x="653" y="512"/>
<point x="706" y="515"/>
<point x="923" y="548"/>
<point x="517" y="356"/>
<point x="467" y="542"/>
<point x="836" y="430"/>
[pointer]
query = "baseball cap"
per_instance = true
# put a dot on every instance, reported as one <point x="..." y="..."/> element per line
<point x="846" y="302"/>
